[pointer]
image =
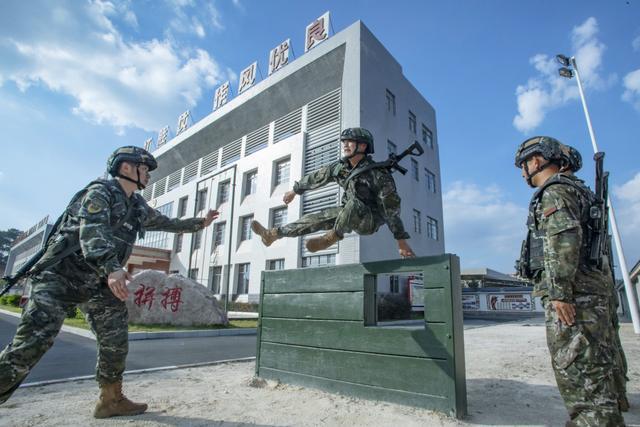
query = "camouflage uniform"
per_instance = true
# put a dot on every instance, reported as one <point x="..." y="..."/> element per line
<point x="369" y="200"/>
<point x="581" y="354"/>
<point x="79" y="278"/>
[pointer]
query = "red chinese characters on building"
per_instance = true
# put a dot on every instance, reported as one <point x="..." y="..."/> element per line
<point x="317" y="32"/>
<point x="144" y="296"/>
<point x="171" y="298"/>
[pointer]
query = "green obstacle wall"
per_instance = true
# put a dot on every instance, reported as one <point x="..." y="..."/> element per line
<point x="318" y="328"/>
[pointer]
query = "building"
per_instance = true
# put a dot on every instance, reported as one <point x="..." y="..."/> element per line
<point x="242" y="157"/>
<point x="26" y="245"/>
<point x="486" y="278"/>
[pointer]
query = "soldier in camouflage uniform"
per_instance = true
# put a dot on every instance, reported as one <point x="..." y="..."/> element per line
<point x="573" y="163"/>
<point x="575" y="294"/>
<point x="369" y="200"/>
<point x="83" y="264"/>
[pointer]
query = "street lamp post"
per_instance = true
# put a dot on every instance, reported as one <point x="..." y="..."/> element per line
<point x="570" y="67"/>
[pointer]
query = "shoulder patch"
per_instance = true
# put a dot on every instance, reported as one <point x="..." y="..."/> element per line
<point x="94" y="207"/>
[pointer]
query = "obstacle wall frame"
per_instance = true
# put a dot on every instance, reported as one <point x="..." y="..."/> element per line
<point x="317" y="328"/>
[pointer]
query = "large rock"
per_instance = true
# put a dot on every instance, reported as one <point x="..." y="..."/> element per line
<point x="155" y="298"/>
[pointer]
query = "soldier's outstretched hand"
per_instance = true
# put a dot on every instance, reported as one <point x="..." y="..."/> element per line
<point x="211" y="215"/>
<point x="405" y="250"/>
<point x="288" y="197"/>
<point x="117" y="282"/>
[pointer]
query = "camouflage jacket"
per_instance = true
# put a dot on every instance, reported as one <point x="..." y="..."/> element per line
<point x="90" y="224"/>
<point x="561" y="213"/>
<point x="375" y="188"/>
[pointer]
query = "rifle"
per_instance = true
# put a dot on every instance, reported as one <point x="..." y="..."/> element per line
<point x="391" y="163"/>
<point x="10" y="281"/>
<point x="599" y="213"/>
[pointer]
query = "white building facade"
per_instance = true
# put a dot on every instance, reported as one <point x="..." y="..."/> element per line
<point x="244" y="156"/>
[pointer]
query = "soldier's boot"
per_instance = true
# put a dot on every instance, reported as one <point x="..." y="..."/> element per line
<point x="113" y="403"/>
<point x="623" y="403"/>
<point x="268" y="236"/>
<point x="319" y="243"/>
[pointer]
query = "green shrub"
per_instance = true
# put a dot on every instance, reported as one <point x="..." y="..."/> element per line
<point x="13" y="300"/>
<point x="74" y="313"/>
<point x="242" y="306"/>
<point x="393" y="307"/>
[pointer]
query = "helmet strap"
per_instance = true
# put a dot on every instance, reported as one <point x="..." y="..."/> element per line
<point x="536" y="172"/>
<point x="137" y="181"/>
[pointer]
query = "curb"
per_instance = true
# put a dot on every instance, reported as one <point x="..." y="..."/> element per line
<point x="139" y="371"/>
<point x="138" y="336"/>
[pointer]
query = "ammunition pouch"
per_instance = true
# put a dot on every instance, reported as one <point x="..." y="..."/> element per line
<point x="531" y="262"/>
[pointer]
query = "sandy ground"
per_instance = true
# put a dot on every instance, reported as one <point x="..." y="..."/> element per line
<point x="509" y="382"/>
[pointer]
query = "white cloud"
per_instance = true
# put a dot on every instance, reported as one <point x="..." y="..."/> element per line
<point x="482" y="226"/>
<point x="76" y="50"/>
<point x="627" y="205"/>
<point x="1" y="176"/>
<point x="187" y="14"/>
<point x="631" y="83"/>
<point x="636" y="43"/>
<point x="548" y="90"/>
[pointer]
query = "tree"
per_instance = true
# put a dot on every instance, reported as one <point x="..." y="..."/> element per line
<point x="6" y="239"/>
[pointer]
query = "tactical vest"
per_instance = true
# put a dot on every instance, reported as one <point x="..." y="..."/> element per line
<point x="531" y="262"/>
<point x="60" y="244"/>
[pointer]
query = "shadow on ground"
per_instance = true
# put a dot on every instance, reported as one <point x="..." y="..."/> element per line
<point x="505" y="402"/>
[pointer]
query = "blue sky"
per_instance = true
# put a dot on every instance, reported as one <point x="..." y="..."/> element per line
<point x="78" y="79"/>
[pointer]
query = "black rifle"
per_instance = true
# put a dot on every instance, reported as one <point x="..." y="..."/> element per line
<point x="391" y="163"/>
<point x="599" y="213"/>
<point x="10" y="281"/>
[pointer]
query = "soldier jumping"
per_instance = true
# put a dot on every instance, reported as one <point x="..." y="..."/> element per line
<point x="83" y="264"/>
<point x="370" y="199"/>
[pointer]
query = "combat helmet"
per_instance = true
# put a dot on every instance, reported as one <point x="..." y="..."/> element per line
<point x="131" y="154"/>
<point x="361" y="136"/>
<point x="547" y="147"/>
<point x="572" y="158"/>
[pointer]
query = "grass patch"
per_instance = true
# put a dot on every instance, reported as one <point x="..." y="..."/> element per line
<point x="81" y="323"/>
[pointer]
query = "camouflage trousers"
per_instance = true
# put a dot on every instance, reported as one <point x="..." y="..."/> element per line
<point x="620" y="366"/>
<point x="353" y="216"/>
<point x="582" y="362"/>
<point x="52" y="295"/>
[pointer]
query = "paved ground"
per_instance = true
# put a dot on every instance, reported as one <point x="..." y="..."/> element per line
<point x="509" y="383"/>
<point x="73" y="355"/>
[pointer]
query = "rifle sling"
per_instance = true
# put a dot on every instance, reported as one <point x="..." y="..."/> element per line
<point x="352" y="175"/>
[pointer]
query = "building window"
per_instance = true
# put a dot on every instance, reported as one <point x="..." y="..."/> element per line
<point x="201" y="200"/>
<point x="432" y="228"/>
<point x="245" y="227"/>
<point x="218" y="234"/>
<point x="278" y="217"/>
<point x="391" y="147"/>
<point x="427" y="136"/>
<point x="197" y="239"/>
<point x="275" y="264"/>
<point x="394" y="284"/>
<point x="412" y="122"/>
<point x="415" y="170"/>
<point x="250" y="182"/>
<point x="430" y="178"/>
<point x="244" y="271"/>
<point x="391" y="102"/>
<point x="223" y="192"/>
<point x="194" y="274"/>
<point x="319" y="260"/>
<point x="182" y="206"/>
<point x="282" y="172"/>
<point x="215" y="279"/>
<point x="417" y="222"/>
<point x="178" y="243"/>
<point x="157" y="239"/>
